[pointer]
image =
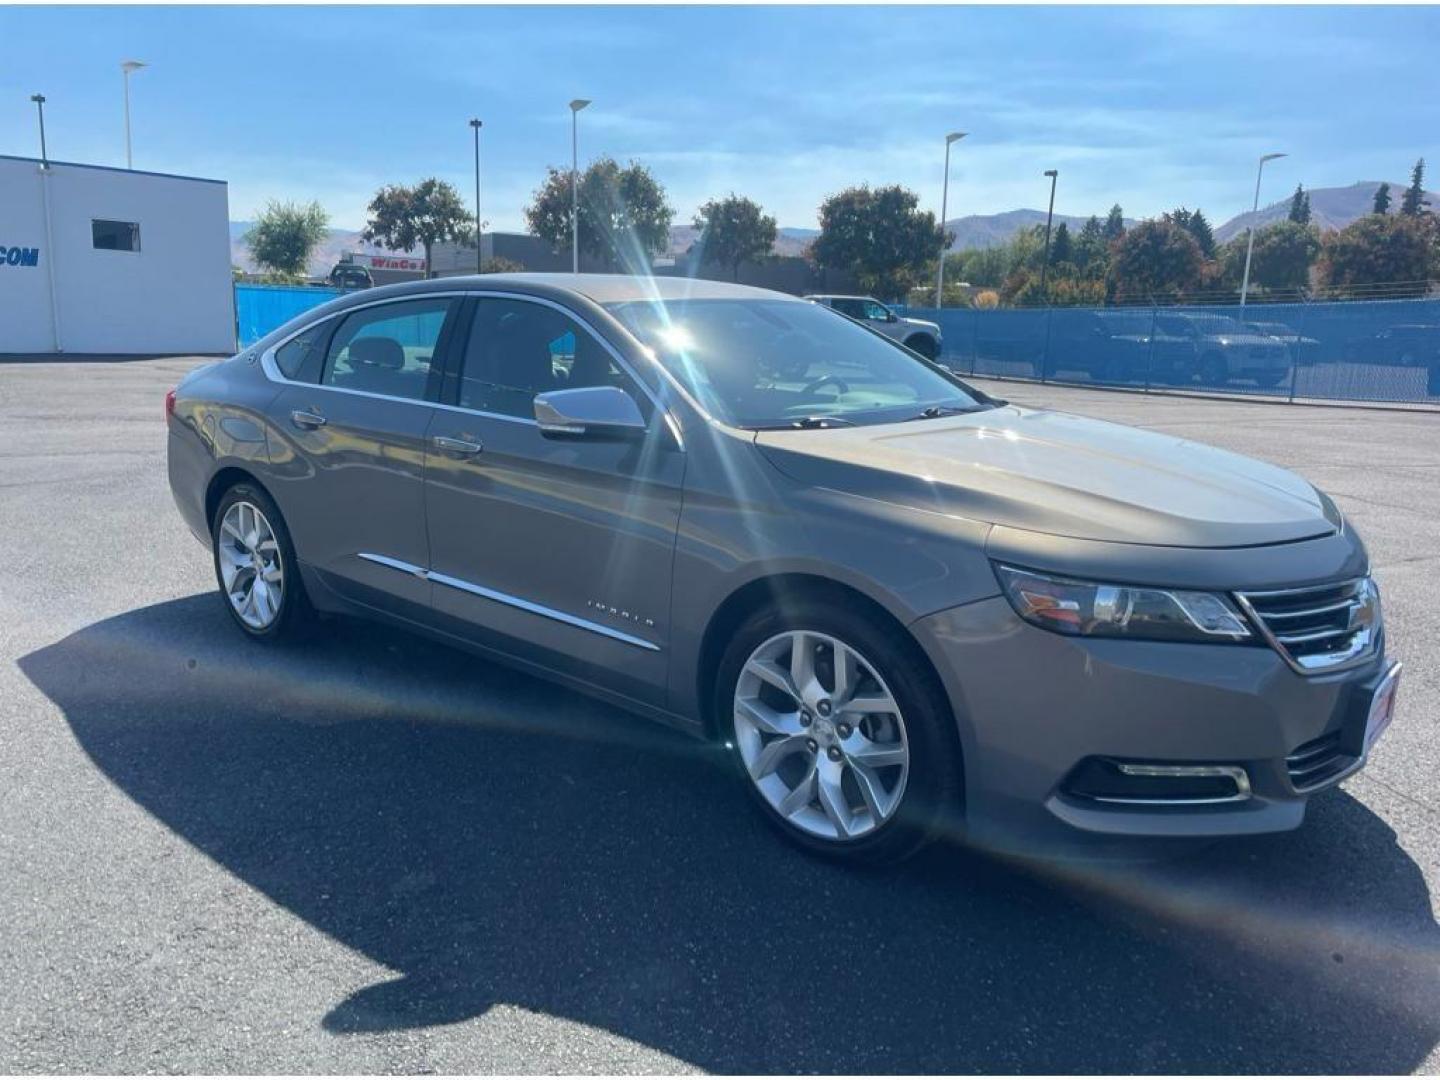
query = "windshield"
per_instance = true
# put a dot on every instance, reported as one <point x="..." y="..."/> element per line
<point x="786" y="363"/>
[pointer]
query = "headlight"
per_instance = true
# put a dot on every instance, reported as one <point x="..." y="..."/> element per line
<point x="1094" y="609"/>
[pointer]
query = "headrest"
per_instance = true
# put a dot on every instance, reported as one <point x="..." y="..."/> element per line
<point x="381" y="352"/>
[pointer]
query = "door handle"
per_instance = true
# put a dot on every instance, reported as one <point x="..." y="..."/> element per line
<point x="303" y="418"/>
<point x="462" y="447"/>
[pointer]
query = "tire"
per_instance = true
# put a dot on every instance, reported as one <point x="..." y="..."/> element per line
<point x="248" y="525"/>
<point x="907" y="801"/>
<point x="923" y="345"/>
<point x="1213" y="370"/>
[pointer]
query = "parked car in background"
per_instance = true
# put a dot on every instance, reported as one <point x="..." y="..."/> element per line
<point x="917" y="334"/>
<point x="1406" y="345"/>
<point x="351" y="276"/>
<point x="1303" y="350"/>
<point x="900" y="607"/>
<point x="1118" y="346"/>
<point x="1222" y="350"/>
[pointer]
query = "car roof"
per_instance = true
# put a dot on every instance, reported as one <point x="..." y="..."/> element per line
<point x="618" y="288"/>
<point x="836" y="296"/>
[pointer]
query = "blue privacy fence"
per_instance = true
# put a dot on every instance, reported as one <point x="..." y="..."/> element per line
<point x="1361" y="350"/>
<point x="261" y="308"/>
<point x="1374" y="350"/>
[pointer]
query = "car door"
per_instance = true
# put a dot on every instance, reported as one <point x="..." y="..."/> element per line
<point x="556" y="548"/>
<point x="349" y="430"/>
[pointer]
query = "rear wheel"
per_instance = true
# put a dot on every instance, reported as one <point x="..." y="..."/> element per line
<point x="839" y="733"/>
<point x="255" y="566"/>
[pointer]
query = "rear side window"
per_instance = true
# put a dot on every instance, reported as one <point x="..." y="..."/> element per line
<point x="299" y="358"/>
<point x="387" y="349"/>
<point x="518" y="349"/>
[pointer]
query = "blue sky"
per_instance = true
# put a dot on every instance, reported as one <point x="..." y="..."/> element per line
<point x="1150" y="107"/>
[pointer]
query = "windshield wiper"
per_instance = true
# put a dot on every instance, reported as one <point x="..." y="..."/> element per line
<point x="931" y="412"/>
<point x="807" y="422"/>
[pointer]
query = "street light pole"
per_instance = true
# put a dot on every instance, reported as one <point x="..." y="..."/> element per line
<point x="476" y="125"/>
<point x="127" y="67"/>
<point x="575" y="107"/>
<point x="1250" y="241"/>
<point x="954" y="136"/>
<point x="39" y="100"/>
<point x="1054" y="175"/>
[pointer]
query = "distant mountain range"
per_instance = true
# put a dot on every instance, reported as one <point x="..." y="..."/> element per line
<point x="1330" y="208"/>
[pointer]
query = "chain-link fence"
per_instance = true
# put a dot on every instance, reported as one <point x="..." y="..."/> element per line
<point x="1370" y="350"/>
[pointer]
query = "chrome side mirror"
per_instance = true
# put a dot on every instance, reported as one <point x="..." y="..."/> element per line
<point x="588" y="410"/>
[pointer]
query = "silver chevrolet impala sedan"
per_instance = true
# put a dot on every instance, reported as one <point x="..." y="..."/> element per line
<point x="902" y="607"/>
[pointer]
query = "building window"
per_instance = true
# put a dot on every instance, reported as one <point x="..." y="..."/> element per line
<point x="115" y="235"/>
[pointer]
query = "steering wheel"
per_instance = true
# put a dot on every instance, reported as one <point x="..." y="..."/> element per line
<point x="840" y="384"/>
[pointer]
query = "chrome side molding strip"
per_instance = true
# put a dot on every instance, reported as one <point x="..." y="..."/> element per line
<point x="511" y="601"/>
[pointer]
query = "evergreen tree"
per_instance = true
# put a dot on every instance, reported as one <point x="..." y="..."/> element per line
<point x="1060" y="248"/>
<point x="1412" y="203"/>
<point x="1114" y="224"/>
<point x="1090" y="252"/>
<point x="1382" y="200"/>
<point x="1300" y="206"/>
<point x="1193" y="222"/>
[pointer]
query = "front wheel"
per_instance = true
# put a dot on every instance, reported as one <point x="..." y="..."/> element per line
<point x="843" y="736"/>
<point x="255" y="566"/>
<point x="923" y="345"/>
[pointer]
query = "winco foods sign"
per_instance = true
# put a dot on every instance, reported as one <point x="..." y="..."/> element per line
<point x="19" y="256"/>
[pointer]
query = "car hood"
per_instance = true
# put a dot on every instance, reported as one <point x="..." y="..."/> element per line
<point x="922" y="324"/>
<point x="1065" y="475"/>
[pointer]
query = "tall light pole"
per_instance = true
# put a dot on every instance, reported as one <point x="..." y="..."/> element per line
<point x="127" y="67"/>
<point x="1250" y="242"/>
<point x="575" y="107"/>
<point x="954" y="136"/>
<point x="475" y="125"/>
<point x="39" y="100"/>
<point x="1053" y="174"/>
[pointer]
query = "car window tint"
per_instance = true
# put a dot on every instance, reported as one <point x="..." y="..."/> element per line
<point x="876" y="312"/>
<point x="296" y="358"/>
<point x="387" y="349"/>
<point x="518" y="349"/>
<point x="854" y="308"/>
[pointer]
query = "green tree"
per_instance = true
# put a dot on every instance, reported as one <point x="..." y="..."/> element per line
<point x="1092" y="254"/>
<point x="1300" y="206"/>
<point x="624" y="216"/>
<point x="734" y="230"/>
<point x="285" y="235"/>
<point x="880" y="235"/>
<point x="1193" y="222"/>
<point x="1379" y="249"/>
<point x="1381" y="205"/>
<point x="1155" y="259"/>
<point x="1283" y="255"/>
<point x="1413" y="202"/>
<point x="1114" y="227"/>
<point x="1062" y="250"/>
<point x="429" y="213"/>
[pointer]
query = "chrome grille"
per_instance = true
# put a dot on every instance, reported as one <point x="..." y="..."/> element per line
<point x="1319" y="628"/>
<point x="1318" y="761"/>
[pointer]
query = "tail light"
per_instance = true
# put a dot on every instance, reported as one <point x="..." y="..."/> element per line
<point x="169" y="404"/>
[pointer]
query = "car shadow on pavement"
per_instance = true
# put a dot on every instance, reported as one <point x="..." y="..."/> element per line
<point x="498" y="840"/>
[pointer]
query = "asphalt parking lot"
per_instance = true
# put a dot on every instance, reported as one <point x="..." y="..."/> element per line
<point x="373" y="854"/>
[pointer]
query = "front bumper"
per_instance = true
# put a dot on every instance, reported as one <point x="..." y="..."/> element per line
<point x="1032" y="706"/>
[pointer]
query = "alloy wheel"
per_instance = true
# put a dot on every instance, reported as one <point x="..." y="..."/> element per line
<point x="821" y="735"/>
<point x="251" y="568"/>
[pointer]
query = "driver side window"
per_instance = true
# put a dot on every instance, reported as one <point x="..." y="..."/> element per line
<point x="518" y="349"/>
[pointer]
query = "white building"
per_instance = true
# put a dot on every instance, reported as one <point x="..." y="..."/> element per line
<point x="112" y="261"/>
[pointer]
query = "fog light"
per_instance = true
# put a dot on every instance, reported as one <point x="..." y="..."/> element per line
<point x="1145" y="784"/>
